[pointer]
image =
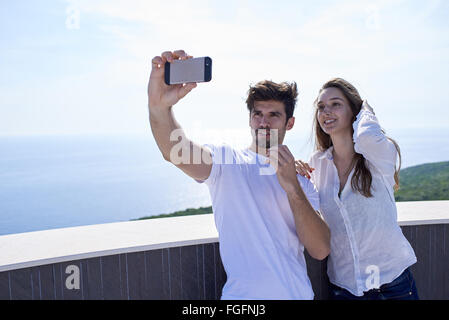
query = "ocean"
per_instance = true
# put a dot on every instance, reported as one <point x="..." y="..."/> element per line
<point x="49" y="182"/>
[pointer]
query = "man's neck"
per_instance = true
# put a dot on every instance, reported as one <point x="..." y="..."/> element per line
<point x="258" y="149"/>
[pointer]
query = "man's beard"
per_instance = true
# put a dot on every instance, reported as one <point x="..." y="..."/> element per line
<point x="269" y="141"/>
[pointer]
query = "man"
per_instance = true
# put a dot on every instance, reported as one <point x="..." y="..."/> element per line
<point x="264" y="220"/>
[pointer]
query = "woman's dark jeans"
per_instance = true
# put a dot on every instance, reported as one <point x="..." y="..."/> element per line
<point x="401" y="288"/>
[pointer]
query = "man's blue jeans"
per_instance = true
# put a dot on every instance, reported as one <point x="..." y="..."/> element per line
<point x="401" y="288"/>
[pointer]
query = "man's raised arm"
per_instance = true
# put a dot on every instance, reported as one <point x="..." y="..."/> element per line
<point x="175" y="147"/>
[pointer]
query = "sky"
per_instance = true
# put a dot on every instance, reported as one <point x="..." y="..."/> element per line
<point x="82" y="67"/>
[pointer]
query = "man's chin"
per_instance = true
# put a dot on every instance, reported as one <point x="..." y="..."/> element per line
<point x="265" y="144"/>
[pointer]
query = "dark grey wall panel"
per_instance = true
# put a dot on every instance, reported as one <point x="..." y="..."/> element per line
<point x="175" y="274"/>
<point x="4" y="285"/>
<point x="422" y="251"/>
<point x="123" y="269"/>
<point x="93" y="279"/>
<point x="136" y="275"/>
<point x="154" y="275"/>
<point x="59" y="279"/>
<point x="165" y="275"/>
<point x="111" y="272"/>
<point x="431" y="272"/>
<point x="209" y="271"/>
<point x="35" y="286"/>
<point x="45" y="281"/>
<point x="189" y="273"/>
<point x="201" y="277"/>
<point x="21" y="288"/>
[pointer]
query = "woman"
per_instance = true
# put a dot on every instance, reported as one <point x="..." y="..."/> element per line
<point x="354" y="170"/>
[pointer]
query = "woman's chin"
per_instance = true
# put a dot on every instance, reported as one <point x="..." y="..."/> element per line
<point x="333" y="131"/>
<point x="327" y="130"/>
<point x="330" y="130"/>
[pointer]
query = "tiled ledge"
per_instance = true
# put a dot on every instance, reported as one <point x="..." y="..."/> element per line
<point x="24" y="250"/>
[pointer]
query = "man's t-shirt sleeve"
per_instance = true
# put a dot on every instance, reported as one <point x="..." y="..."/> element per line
<point x="216" y="164"/>
<point x="310" y="191"/>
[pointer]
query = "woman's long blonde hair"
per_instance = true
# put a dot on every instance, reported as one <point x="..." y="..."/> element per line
<point x="362" y="178"/>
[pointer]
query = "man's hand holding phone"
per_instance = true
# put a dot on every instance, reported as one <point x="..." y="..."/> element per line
<point x="161" y="95"/>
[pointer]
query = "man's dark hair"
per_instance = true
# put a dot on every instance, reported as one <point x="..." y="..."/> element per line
<point x="268" y="90"/>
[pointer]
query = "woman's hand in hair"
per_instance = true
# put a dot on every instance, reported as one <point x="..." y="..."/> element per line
<point x="303" y="168"/>
<point x="366" y="106"/>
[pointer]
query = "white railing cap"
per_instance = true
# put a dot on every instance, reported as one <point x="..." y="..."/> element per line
<point x="23" y="250"/>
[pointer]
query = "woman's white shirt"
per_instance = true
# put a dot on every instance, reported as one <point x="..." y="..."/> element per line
<point x="368" y="248"/>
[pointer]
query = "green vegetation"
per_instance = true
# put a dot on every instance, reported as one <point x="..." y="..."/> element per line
<point x="187" y="212"/>
<point x="428" y="181"/>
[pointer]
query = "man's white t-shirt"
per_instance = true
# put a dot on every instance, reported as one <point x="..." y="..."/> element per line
<point x="259" y="247"/>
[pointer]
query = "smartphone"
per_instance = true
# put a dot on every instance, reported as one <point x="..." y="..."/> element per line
<point x="190" y="70"/>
